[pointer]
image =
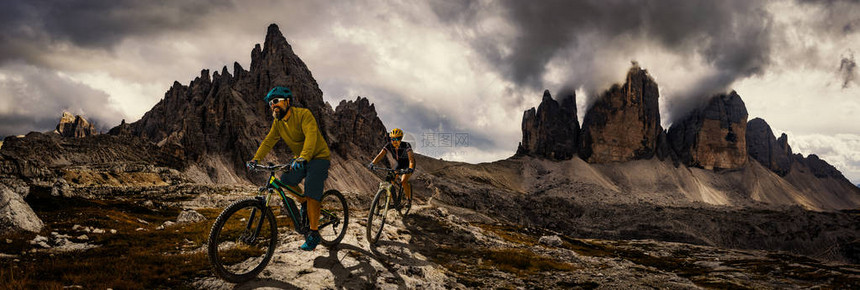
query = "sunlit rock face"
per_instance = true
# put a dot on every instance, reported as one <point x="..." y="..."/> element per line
<point x="75" y="126"/>
<point x="624" y="122"/>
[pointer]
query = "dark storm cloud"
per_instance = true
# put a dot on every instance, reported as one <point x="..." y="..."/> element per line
<point x="17" y="124"/>
<point x="731" y="36"/>
<point x="39" y="96"/>
<point x="847" y="70"/>
<point x="32" y="28"/>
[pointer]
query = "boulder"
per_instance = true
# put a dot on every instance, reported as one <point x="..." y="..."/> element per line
<point x="713" y="136"/>
<point x="189" y="216"/>
<point x="15" y="214"/>
<point x="553" y="130"/>
<point x="624" y="122"/>
<point x="553" y="240"/>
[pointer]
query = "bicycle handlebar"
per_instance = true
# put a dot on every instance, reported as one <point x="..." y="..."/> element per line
<point x="398" y="171"/>
<point x="270" y="167"/>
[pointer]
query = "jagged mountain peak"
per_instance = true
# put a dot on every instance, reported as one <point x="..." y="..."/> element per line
<point x="551" y="131"/>
<point x="219" y="119"/>
<point x="624" y="122"/>
<point x="275" y="39"/>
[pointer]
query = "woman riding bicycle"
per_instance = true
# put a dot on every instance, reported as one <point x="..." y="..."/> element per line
<point x="402" y="152"/>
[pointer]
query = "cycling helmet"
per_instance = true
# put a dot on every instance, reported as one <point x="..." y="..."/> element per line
<point x="278" y="92"/>
<point x="396" y="133"/>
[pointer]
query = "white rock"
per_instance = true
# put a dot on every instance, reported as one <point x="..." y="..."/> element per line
<point x="8" y="241"/>
<point x="98" y="231"/>
<point x="83" y="237"/>
<point x="139" y="229"/>
<point x="553" y="240"/>
<point x="61" y="188"/>
<point x="38" y="239"/>
<point x="77" y="227"/>
<point x="15" y="214"/>
<point x="62" y="242"/>
<point x="443" y="212"/>
<point x="166" y="225"/>
<point x="112" y="231"/>
<point x="189" y="216"/>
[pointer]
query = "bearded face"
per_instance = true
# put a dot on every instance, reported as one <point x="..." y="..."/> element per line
<point x="280" y="109"/>
<point x="278" y="112"/>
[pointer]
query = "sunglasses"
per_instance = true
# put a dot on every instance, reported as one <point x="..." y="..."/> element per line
<point x="396" y="139"/>
<point x="275" y="101"/>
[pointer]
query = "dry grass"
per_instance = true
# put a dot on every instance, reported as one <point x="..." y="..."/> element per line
<point x="128" y="259"/>
<point x="523" y="262"/>
<point x="510" y="234"/>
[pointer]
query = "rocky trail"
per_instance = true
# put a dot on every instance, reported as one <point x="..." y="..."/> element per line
<point x="153" y="244"/>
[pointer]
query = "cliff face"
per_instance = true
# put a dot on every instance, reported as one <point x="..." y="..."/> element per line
<point x="74" y="126"/>
<point x="775" y="154"/>
<point x="624" y="123"/>
<point x="359" y="130"/>
<point x="713" y="136"/>
<point x="553" y="130"/>
<point x="218" y="121"/>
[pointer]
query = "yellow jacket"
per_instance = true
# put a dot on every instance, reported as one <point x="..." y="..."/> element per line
<point x="300" y="132"/>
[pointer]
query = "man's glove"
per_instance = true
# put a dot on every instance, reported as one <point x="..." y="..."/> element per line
<point x="251" y="164"/>
<point x="298" y="164"/>
<point x="409" y="170"/>
<point x="370" y="165"/>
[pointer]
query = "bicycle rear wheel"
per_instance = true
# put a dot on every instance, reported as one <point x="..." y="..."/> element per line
<point x="334" y="217"/>
<point x="242" y="240"/>
<point x="376" y="217"/>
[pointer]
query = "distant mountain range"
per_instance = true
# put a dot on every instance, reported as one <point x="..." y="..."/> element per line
<point x="209" y="128"/>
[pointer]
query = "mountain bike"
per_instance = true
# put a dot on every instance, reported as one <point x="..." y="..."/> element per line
<point x="244" y="236"/>
<point x="387" y="197"/>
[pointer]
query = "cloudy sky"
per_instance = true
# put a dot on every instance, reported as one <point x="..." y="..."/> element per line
<point x="440" y="67"/>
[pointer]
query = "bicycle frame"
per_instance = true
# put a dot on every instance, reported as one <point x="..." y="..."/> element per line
<point x="275" y="185"/>
<point x="390" y="183"/>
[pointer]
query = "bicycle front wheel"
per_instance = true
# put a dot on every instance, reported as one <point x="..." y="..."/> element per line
<point x="334" y="217"/>
<point x="377" y="215"/>
<point x="242" y="240"/>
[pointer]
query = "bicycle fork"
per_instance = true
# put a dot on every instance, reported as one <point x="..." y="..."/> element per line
<point x="256" y="231"/>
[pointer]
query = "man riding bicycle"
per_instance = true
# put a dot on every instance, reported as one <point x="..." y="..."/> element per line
<point x="298" y="128"/>
<point x="402" y="152"/>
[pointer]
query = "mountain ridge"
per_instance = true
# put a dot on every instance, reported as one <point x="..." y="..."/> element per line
<point x="714" y="137"/>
